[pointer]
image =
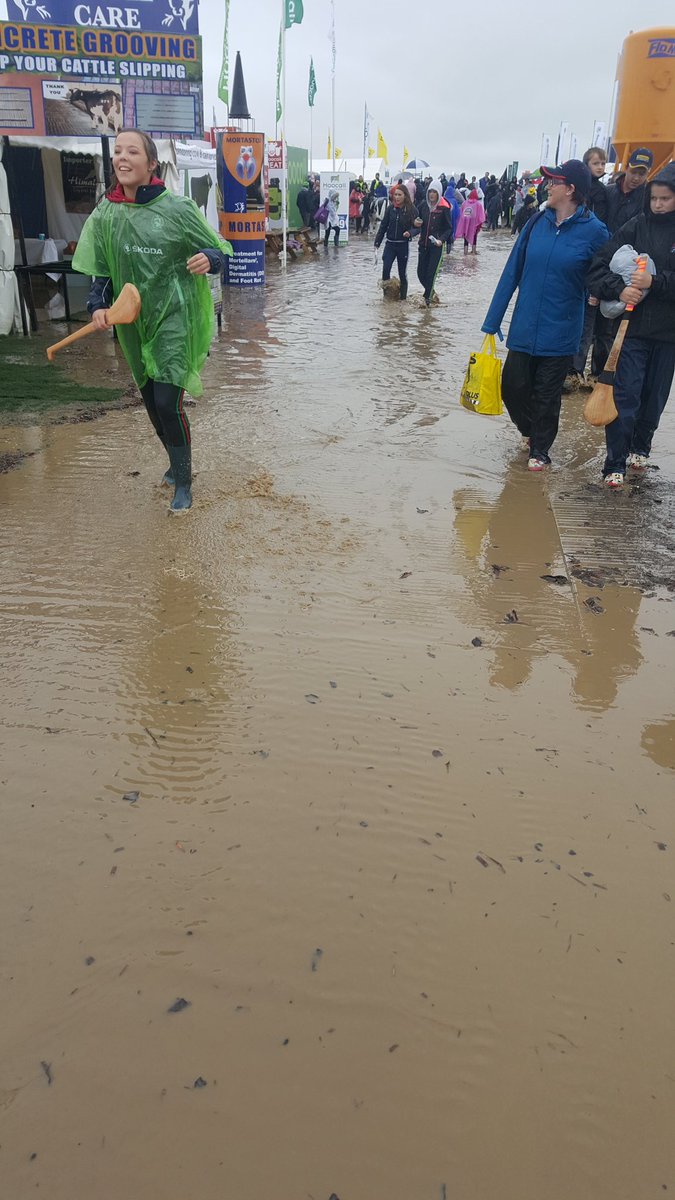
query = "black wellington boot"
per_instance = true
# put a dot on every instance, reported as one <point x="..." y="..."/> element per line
<point x="180" y="458"/>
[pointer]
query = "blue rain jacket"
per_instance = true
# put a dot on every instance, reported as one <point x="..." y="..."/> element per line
<point x="548" y="265"/>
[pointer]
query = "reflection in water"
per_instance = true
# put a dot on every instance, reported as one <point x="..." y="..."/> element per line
<point x="659" y="742"/>
<point x="511" y="544"/>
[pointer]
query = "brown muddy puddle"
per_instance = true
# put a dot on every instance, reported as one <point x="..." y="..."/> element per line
<point x="417" y="892"/>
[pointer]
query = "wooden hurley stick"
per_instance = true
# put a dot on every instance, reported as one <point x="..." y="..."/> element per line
<point x="600" y="408"/>
<point x="123" y="311"/>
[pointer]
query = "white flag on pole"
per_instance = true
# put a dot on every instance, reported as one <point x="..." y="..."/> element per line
<point x="563" y="142"/>
<point x="545" y="159"/>
<point x="599" y="135"/>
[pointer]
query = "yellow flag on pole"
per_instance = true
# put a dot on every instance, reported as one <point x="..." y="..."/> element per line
<point x="338" y="153"/>
<point x="371" y="152"/>
<point x="328" y="151"/>
<point x="382" y="151"/>
<point x="406" y="156"/>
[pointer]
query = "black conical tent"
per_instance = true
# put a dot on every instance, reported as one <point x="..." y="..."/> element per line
<point x="239" y="103"/>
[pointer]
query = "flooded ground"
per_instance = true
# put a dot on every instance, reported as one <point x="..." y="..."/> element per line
<point x="369" y="760"/>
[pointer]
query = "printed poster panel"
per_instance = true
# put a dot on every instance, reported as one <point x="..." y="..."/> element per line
<point x="276" y="181"/>
<point x="294" y="178"/>
<point x="338" y="182"/>
<point x="91" y="82"/>
<point x="196" y="165"/>
<point x="80" y="182"/>
<point x="177" y="16"/>
<point x="240" y="158"/>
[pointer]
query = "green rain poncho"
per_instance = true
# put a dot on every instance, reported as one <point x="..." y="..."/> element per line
<point x="149" y="245"/>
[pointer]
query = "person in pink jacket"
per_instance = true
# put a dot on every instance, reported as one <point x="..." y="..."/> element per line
<point x="471" y="221"/>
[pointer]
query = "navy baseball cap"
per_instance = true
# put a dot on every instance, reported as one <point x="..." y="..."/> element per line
<point x="642" y="157"/>
<point x="574" y="172"/>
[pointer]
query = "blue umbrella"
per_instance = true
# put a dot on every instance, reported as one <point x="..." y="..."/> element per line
<point x="416" y="164"/>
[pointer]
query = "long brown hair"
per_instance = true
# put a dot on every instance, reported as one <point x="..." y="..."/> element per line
<point x="148" y="145"/>
<point x="407" y="202"/>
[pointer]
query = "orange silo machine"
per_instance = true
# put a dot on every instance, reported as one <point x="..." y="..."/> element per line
<point x="644" y="101"/>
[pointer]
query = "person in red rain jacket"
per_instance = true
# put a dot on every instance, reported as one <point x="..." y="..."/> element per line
<point x="356" y="206"/>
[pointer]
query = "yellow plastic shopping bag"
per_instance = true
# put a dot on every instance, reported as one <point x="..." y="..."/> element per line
<point x="482" y="387"/>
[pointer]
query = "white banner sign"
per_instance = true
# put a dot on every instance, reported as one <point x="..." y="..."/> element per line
<point x="563" y="142"/>
<point x="339" y="182"/>
<point x="600" y="135"/>
<point x="545" y="158"/>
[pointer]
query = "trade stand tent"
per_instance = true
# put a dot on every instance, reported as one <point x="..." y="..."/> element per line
<point x="353" y="167"/>
<point x="60" y="225"/>
<point x="9" y="292"/>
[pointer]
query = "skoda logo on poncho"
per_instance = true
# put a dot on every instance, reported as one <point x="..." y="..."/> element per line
<point x="142" y="250"/>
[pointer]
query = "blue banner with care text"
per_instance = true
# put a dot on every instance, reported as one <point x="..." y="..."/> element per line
<point x="172" y="16"/>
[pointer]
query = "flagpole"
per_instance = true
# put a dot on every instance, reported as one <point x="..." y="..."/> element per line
<point x="311" y="137"/>
<point x="284" y="176"/>
<point x="365" y="137"/>
<point x="333" y="87"/>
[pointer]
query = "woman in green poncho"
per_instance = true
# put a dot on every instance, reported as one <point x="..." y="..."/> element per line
<point x="141" y="233"/>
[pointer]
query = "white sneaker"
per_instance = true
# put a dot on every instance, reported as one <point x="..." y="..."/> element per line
<point x="615" y="480"/>
<point x="537" y="464"/>
<point x="637" y="462"/>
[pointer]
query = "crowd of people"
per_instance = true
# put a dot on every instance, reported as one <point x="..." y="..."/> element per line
<point x="577" y="270"/>
<point x="586" y="254"/>
<point x="571" y="289"/>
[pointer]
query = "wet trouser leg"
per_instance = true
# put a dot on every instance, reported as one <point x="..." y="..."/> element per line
<point x="603" y="337"/>
<point x="326" y="236"/>
<point x="579" y="360"/>
<point x="148" y="394"/>
<point x="427" y="267"/>
<point x="532" y="392"/>
<point x="642" y="384"/>
<point x="164" y="403"/>
<point x="388" y="259"/>
<point x="402" y="259"/>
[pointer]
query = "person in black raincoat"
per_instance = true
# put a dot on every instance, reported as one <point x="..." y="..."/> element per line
<point x="435" y="225"/>
<point x="398" y="226"/>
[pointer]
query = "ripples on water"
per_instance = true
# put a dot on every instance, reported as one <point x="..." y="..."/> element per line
<point x="470" y="834"/>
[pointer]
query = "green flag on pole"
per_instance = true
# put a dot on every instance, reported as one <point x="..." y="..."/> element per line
<point x="224" y="81"/>
<point x="294" y="12"/>
<point x="311" y="91"/>
<point x="281" y="34"/>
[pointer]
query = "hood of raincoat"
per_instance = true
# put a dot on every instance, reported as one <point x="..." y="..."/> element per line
<point x="666" y="177"/>
<point x="474" y="195"/>
<point x="149" y="245"/>
<point x="434" y="186"/>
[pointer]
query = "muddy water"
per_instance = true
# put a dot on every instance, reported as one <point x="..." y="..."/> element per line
<point x="417" y="892"/>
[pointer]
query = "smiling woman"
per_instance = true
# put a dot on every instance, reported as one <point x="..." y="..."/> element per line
<point x="548" y="266"/>
<point x="142" y="234"/>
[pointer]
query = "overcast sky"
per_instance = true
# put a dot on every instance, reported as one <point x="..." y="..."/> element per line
<point x="467" y="87"/>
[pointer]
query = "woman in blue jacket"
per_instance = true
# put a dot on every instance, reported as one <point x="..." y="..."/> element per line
<point x="548" y="265"/>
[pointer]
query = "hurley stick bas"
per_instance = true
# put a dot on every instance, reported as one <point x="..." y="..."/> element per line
<point x="600" y="408"/>
<point x="123" y="311"/>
